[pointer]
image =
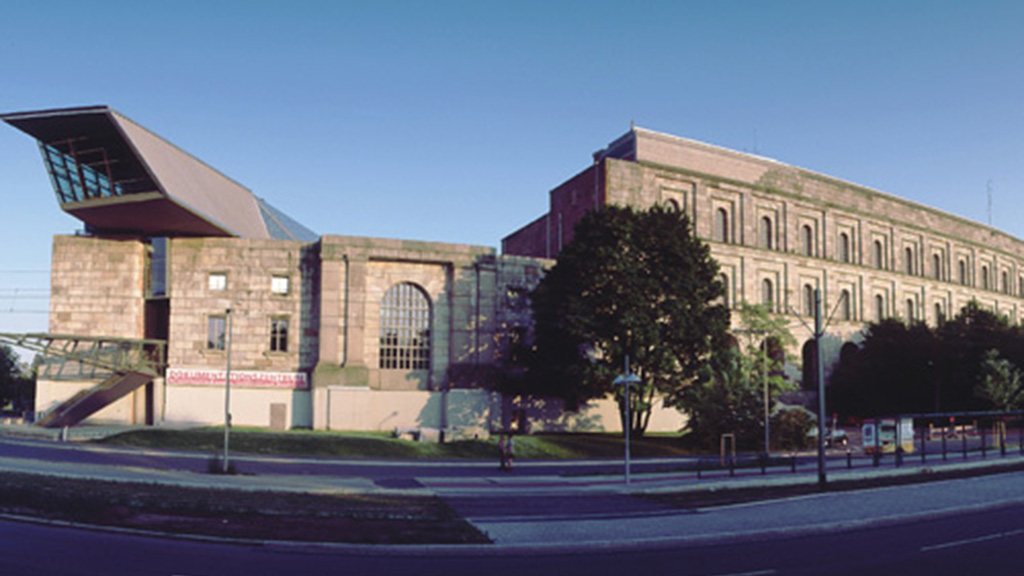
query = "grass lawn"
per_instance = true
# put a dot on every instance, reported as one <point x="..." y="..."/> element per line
<point x="382" y="445"/>
<point x="351" y="518"/>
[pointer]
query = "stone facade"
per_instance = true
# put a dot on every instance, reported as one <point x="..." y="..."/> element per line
<point x="328" y="296"/>
<point x="779" y="232"/>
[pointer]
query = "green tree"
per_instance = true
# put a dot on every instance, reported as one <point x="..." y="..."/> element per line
<point x="636" y="283"/>
<point x="17" y="387"/>
<point x="765" y="338"/>
<point x="1000" y="383"/>
<point x="723" y="400"/>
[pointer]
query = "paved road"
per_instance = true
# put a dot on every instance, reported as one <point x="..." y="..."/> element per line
<point x="989" y="541"/>
<point x="540" y="505"/>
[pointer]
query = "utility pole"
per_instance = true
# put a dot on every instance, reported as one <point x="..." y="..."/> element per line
<point x="820" y="370"/>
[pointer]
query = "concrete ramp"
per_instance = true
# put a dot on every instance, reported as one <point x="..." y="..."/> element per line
<point x="88" y="402"/>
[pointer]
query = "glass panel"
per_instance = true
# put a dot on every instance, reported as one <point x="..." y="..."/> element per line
<point x="405" y="329"/>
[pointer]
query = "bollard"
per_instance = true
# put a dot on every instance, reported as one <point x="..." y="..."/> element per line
<point x="899" y="456"/>
<point x="699" y="467"/>
<point x="876" y="458"/>
<point x="944" y="434"/>
<point x="924" y="448"/>
<point x="732" y="467"/>
<point x="792" y="463"/>
<point x="984" y="452"/>
<point x="764" y="463"/>
<point x="849" y="459"/>
<point x="963" y="440"/>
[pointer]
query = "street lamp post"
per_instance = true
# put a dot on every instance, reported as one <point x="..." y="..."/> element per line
<point x="625" y="379"/>
<point x="227" y="396"/>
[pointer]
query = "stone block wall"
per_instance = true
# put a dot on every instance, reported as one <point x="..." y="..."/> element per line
<point x="249" y="267"/>
<point x="97" y="287"/>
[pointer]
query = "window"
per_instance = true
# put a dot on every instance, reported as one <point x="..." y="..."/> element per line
<point x="721" y="227"/>
<point x="216" y="332"/>
<point x="984" y="277"/>
<point x="767" y="294"/>
<point x="844" y="248"/>
<point x="218" y="281"/>
<point x="671" y="205"/>
<point x="807" y="241"/>
<point x="962" y="273"/>
<point x="405" y="328"/>
<point x="936" y="267"/>
<point x="808" y="300"/>
<point x="910" y="310"/>
<point x="765" y="233"/>
<point x="280" y="285"/>
<point x="1005" y="283"/>
<point x="940" y="316"/>
<point x="877" y="255"/>
<point x="908" y="260"/>
<point x="156" y="278"/>
<point x="844" y="305"/>
<point x="879" y="308"/>
<point x="724" y="279"/>
<point x="279" y="334"/>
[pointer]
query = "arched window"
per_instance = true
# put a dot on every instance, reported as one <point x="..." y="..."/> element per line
<point x="936" y="267"/>
<point x="405" y="328"/>
<point x="724" y="279"/>
<point x="962" y="272"/>
<point x="721" y="231"/>
<point x="768" y="294"/>
<point x="844" y="306"/>
<point x="879" y="308"/>
<point x="807" y="241"/>
<point x="984" y="277"/>
<point x="844" y="248"/>
<point x="765" y="233"/>
<point x="810" y="361"/>
<point x="808" y="300"/>
<point x="877" y="255"/>
<point x="908" y="259"/>
<point x="910" y="310"/>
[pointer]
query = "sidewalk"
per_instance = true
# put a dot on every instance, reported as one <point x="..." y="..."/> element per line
<point x="534" y="510"/>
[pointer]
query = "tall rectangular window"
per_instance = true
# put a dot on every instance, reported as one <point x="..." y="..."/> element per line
<point x="278" y="334"/>
<point x="216" y="332"/>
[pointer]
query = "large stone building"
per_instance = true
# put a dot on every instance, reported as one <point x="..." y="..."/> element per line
<point x="337" y="332"/>
<point x="781" y="232"/>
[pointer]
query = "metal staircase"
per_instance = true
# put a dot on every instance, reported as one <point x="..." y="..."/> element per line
<point x="125" y="364"/>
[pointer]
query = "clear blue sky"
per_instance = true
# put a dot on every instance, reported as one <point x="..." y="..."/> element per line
<point x="450" y="121"/>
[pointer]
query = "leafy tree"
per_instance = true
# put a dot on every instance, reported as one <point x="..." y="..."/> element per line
<point x="965" y="341"/>
<point x="913" y="368"/>
<point x="765" y="338"/>
<point x="722" y="400"/>
<point x="893" y="372"/>
<point x="1000" y="383"/>
<point x="635" y="283"/>
<point x="16" y="386"/>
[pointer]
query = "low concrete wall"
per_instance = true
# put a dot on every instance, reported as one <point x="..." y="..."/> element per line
<point x="372" y="410"/>
<point x="249" y="406"/>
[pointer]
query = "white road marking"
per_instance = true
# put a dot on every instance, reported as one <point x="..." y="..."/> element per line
<point x="970" y="541"/>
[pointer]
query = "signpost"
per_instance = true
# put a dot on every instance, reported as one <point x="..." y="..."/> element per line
<point x="625" y="379"/>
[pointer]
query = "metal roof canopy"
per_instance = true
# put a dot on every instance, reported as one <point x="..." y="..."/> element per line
<point x="166" y="192"/>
